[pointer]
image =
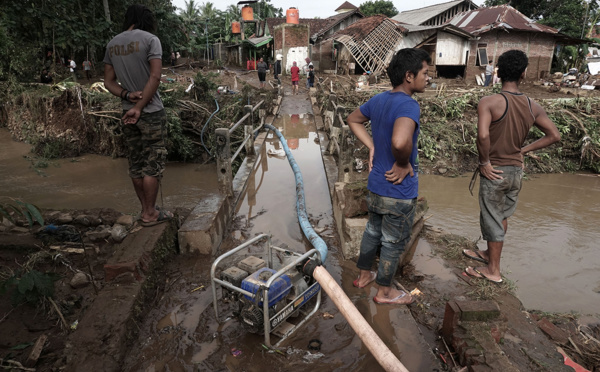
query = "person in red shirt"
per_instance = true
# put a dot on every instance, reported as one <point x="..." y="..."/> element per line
<point x="295" y="71"/>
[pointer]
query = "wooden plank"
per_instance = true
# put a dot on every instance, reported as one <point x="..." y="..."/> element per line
<point x="36" y="352"/>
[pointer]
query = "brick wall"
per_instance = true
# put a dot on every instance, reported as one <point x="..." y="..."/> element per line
<point x="296" y="35"/>
<point x="538" y="47"/>
<point x="277" y="39"/>
<point x="321" y="53"/>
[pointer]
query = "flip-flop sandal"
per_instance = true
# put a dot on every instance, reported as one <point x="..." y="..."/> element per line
<point x="373" y="277"/>
<point x="477" y="257"/>
<point x="138" y="217"/>
<point x="479" y="275"/>
<point x="395" y="300"/>
<point x="163" y="216"/>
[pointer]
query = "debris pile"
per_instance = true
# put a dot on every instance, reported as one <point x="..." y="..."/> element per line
<point x="572" y="79"/>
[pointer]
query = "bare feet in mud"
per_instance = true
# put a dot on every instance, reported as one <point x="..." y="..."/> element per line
<point x="365" y="278"/>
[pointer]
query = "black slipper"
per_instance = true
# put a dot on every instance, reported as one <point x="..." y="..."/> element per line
<point x="477" y="257"/>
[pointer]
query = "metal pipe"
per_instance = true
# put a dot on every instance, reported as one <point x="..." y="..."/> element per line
<point x="372" y="341"/>
<point x="232" y="128"/>
<point x="240" y="148"/>
<point x="257" y="105"/>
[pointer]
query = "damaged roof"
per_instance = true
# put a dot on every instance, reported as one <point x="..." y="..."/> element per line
<point x="422" y="15"/>
<point x="363" y="27"/>
<point x="449" y="28"/>
<point x="505" y="17"/>
<point x="371" y="41"/>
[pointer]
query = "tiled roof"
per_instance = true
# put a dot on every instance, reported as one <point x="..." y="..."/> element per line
<point x="506" y="17"/>
<point x="346" y="6"/>
<point x="421" y="15"/>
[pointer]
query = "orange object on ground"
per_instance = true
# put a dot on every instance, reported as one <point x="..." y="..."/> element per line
<point x="292" y="15"/>
<point x="569" y="362"/>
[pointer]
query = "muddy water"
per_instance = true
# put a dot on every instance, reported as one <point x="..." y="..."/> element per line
<point x="551" y="248"/>
<point x="182" y="331"/>
<point x="93" y="181"/>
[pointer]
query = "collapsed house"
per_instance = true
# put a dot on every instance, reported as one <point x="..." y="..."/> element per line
<point x="366" y="45"/>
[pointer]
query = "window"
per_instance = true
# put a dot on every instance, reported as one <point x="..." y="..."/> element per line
<point x="482" y="57"/>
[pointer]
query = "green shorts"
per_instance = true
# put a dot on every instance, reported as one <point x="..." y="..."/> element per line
<point x="146" y="145"/>
<point x="498" y="201"/>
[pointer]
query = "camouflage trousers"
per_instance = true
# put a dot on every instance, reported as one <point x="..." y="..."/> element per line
<point x="146" y="145"/>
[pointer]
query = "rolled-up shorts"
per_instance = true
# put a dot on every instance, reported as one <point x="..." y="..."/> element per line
<point x="147" y="152"/>
<point x="498" y="201"/>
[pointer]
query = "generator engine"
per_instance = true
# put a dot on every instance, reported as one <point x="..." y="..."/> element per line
<point x="285" y="295"/>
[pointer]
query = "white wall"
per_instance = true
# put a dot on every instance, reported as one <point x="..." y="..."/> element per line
<point x="297" y="54"/>
<point x="451" y="49"/>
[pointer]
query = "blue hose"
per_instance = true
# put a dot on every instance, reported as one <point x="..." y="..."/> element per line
<point x="204" y="127"/>
<point x="307" y="229"/>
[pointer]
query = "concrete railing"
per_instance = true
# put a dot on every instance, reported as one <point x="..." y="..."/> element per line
<point x="339" y="137"/>
<point x="224" y="154"/>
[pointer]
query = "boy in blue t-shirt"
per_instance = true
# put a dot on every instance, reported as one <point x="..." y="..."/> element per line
<point x="393" y="171"/>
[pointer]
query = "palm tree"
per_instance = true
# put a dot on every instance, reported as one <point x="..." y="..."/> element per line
<point x="191" y="13"/>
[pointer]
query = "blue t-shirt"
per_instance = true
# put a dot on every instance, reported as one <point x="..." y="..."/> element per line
<point x="383" y="110"/>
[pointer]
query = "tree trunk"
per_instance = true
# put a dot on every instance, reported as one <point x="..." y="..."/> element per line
<point x="106" y="10"/>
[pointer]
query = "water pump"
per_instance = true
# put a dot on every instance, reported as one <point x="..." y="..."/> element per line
<point x="267" y="296"/>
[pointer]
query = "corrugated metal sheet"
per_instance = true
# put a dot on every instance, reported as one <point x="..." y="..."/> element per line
<point x="498" y="17"/>
<point x="418" y="16"/>
<point x="259" y="41"/>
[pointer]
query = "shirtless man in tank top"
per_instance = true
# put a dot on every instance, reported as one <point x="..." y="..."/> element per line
<point x="504" y="120"/>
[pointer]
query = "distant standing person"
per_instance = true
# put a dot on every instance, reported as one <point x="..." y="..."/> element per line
<point x="144" y="118"/>
<point x="504" y="120"/>
<point x="173" y="59"/>
<point x="72" y="68"/>
<point x="277" y="68"/>
<point x="87" y="67"/>
<point x="295" y="72"/>
<point x="262" y="67"/>
<point x="311" y="76"/>
<point x="489" y="73"/>
<point x="393" y="182"/>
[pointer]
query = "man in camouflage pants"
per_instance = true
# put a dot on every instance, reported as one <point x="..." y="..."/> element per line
<point x="134" y="57"/>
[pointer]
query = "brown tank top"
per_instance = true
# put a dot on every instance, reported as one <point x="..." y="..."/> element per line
<point x="508" y="133"/>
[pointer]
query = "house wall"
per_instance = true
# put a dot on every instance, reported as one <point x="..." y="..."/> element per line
<point x="292" y="42"/>
<point x="451" y="49"/>
<point x="322" y="56"/>
<point x="538" y="47"/>
<point x="412" y="39"/>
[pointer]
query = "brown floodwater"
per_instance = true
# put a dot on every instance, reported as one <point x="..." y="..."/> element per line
<point x="93" y="181"/>
<point x="551" y="247"/>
